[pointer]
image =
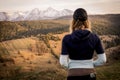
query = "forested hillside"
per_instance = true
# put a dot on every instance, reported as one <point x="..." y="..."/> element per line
<point x="15" y="30"/>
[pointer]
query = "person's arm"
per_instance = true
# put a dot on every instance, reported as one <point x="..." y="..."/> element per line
<point x="64" y="60"/>
<point x="101" y="60"/>
<point x="64" y="54"/>
<point x="101" y="56"/>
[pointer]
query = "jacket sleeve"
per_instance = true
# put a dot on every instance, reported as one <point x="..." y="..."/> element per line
<point x="64" y="54"/>
<point x="64" y="60"/>
<point x="64" y="50"/>
<point x="98" y="47"/>
<point x="101" y="60"/>
<point x="101" y="56"/>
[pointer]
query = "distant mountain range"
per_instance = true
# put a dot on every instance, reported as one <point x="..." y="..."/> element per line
<point x="35" y="14"/>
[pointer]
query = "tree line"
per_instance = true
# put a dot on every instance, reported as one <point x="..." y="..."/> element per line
<point x="14" y="30"/>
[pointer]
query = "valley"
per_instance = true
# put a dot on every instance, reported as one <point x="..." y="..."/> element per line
<point x="30" y="50"/>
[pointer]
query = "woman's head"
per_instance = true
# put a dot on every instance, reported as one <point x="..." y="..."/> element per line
<point x="80" y="20"/>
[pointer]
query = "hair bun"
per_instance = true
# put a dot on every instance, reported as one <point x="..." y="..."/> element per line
<point x="80" y="14"/>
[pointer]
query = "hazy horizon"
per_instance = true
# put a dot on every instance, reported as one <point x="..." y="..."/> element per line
<point x="92" y="7"/>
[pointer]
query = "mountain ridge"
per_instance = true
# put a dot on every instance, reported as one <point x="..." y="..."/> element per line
<point x="34" y="14"/>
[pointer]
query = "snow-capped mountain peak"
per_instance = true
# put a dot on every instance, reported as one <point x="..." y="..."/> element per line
<point x="65" y="12"/>
<point x="35" y="14"/>
<point x="35" y="11"/>
<point x="50" y="12"/>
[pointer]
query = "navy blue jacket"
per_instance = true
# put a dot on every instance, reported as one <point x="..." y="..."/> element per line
<point x="81" y="44"/>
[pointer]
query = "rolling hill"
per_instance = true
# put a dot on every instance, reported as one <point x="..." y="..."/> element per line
<point x="29" y="50"/>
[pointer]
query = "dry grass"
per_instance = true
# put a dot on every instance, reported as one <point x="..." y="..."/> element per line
<point x="23" y="64"/>
<point x="26" y="59"/>
<point x="109" y="72"/>
<point x="56" y="45"/>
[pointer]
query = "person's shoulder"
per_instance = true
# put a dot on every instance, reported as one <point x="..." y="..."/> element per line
<point x="95" y="36"/>
<point x="66" y="37"/>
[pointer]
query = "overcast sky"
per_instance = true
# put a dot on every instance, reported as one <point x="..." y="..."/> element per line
<point x="92" y="6"/>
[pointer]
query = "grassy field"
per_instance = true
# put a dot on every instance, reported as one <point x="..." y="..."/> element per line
<point x="22" y="63"/>
<point x="29" y="50"/>
<point x="26" y="64"/>
<point x="109" y="72"/>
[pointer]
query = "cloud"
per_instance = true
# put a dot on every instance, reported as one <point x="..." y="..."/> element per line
<point x="93" y="6"/>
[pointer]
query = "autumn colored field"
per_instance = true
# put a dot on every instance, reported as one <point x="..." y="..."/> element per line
<point x="30" y="50"/>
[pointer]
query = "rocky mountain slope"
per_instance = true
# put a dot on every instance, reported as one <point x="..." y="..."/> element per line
<point x="34" y="14"/>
